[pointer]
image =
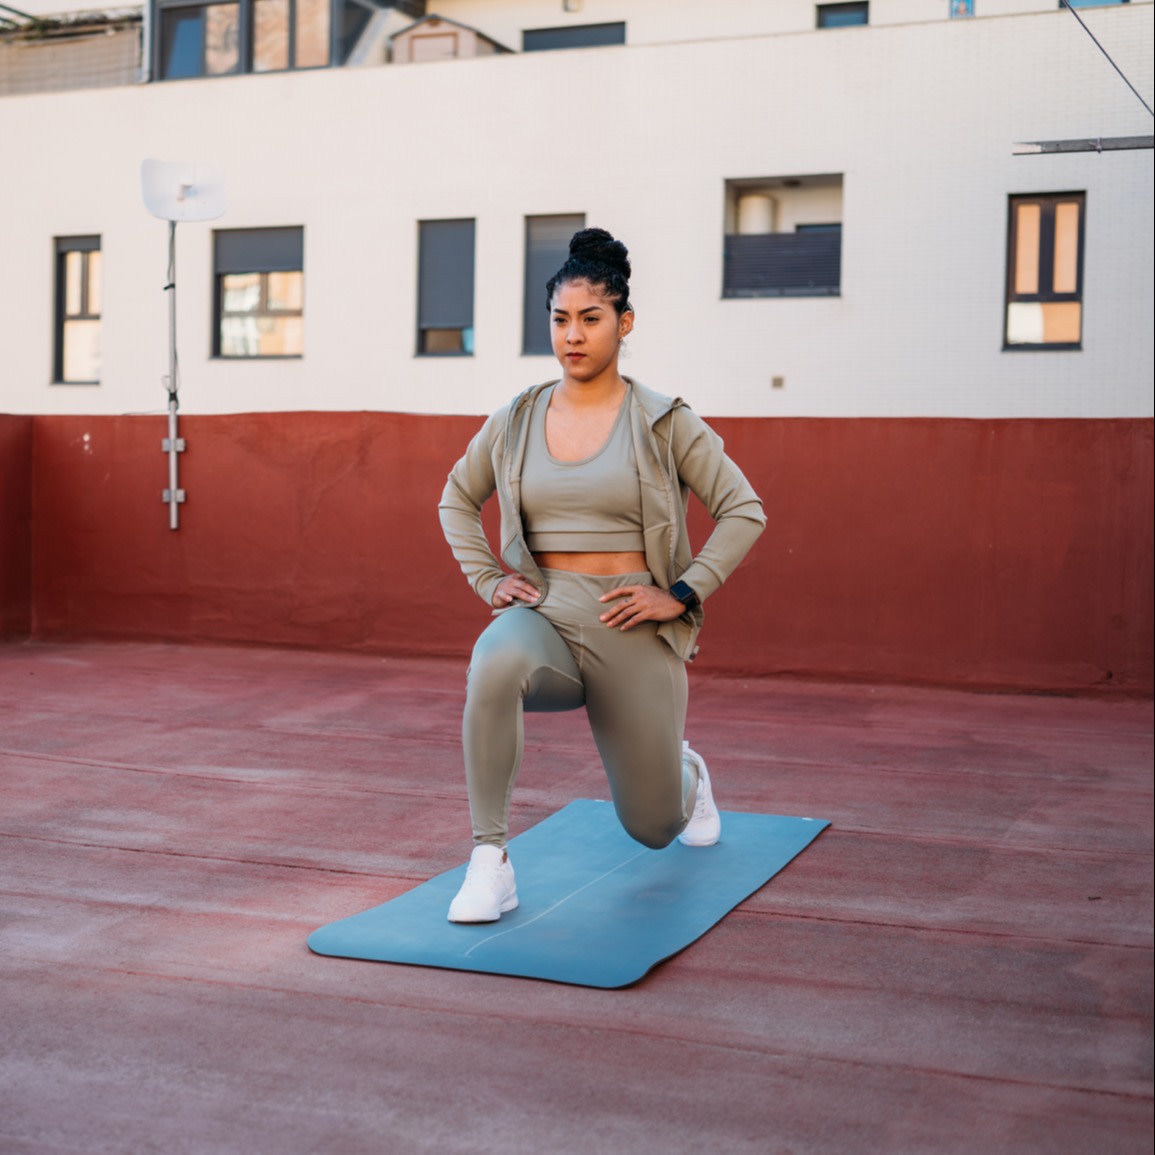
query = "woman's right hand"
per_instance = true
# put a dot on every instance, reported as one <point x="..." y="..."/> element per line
<point x="514" y="588"/>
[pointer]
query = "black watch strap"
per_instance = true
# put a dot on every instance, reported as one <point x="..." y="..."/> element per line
<point x="686" y="595"/>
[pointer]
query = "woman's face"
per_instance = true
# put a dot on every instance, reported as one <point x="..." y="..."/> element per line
<point x="586" y="330"/>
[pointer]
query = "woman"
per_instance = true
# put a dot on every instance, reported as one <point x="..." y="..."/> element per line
<point x="599" y="601"/>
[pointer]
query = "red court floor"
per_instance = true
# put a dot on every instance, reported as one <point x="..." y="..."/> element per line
<point x="962" y="963"/>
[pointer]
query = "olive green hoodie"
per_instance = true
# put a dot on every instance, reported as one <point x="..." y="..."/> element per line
<point x="677" y="453"/>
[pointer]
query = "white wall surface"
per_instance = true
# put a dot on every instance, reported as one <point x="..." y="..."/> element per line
<point x="918" y="118"/>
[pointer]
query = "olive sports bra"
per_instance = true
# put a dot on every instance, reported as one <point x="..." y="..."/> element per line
<point x="588" y="506"/>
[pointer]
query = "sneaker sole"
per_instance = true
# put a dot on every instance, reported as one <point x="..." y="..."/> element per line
<point x="701" y="841"/>
<point x="506" y="906"/>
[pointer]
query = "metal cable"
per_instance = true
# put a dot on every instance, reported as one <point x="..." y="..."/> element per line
<point x="1066" y="4"/>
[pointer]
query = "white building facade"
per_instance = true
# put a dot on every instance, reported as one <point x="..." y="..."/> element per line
<point x="900" y="132"/>
<point x="823" y="202"/>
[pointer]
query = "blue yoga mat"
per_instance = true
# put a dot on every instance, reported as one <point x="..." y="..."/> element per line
<point x="596" y="908"/>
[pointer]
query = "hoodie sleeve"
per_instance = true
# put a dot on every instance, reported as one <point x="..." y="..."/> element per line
<point x="471" y="483"/>
<point x="700" y="459"/>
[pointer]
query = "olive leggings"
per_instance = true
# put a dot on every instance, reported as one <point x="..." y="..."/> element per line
<point x="556" y="656"/>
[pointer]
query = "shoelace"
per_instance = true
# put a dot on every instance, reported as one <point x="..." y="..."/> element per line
<point x="484" y="870"/>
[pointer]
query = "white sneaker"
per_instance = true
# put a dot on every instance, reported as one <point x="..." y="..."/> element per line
<point x="705" y="827"/>
<point x="489" y="889"/>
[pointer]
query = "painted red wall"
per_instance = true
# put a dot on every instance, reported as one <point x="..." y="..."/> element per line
<point x="988" y="553"/>
<point x="15" y="526"/>
<point x="1010" y="554"/>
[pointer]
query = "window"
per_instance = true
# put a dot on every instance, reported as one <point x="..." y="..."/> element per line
<point x="259" y="289"/>
<point x="573" y="36"/>
<point x="1045" y="272"/>
<point x="199" y="41"/>
<point x="290" y="34"/>
<point x="76" y="357"/>
<point x="1092" y="3"/>
<point x="445" y="288"/>
<point x="783" y="237"/>
<point x="843" y="15"/>
<point x="219" y="39"/>
<point x="546" y="249"/>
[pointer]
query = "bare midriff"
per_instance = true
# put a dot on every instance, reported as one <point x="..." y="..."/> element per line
<point x="601" y="564"/>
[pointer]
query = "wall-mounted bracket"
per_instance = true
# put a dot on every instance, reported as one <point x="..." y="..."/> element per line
<point x="174" y="446"/>
<point x="172" y="496"/>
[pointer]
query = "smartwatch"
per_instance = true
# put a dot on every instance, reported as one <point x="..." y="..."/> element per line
<point x="685" y="594"/>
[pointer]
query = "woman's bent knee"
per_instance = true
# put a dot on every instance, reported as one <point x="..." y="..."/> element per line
<point x="514" y="644"/>
<point x="501" y="665"/>
<point x="657" y="835"/>
<point x="521" y="655"/>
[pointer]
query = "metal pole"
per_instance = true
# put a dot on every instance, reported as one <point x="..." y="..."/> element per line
<point x="172" y="444"/>
<point x="1084" y="144"/>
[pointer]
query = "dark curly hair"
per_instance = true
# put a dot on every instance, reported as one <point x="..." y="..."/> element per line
<point x="595" y="256"/>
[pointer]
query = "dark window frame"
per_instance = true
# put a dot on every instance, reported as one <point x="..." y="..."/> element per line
<point x="87" y="243"/>
<point x="1047" y="203"/>
<point x="166" y="10"/>
<point x="804" y="261"/>
<point x="564" y="37"/>
<point x="256" y="252"/>
<point x="828" y="15"/>
<point x="535" y="338"/>
<point x="245" y="37"/>
<point x="446" y="248"/>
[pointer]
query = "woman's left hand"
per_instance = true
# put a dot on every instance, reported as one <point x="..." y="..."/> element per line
<point x="637" y="604"/>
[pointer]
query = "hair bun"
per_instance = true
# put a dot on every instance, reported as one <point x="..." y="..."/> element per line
<point x="599" y="260"/>
<point x="598" y="245"/>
